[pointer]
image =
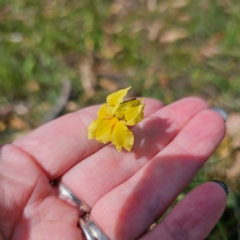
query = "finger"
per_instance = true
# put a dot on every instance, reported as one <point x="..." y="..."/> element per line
<point x="153" y="188"/>
<point x="29" y="209"/>
<point x="112" y="168"/>
<point x="60" y="144"/>
<point x="193" y="217"/>
<point x="19" y="177"/>
<point x="47" y="217"/>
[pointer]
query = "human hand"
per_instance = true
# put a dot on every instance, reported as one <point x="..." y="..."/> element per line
<point x="127" y="191"/>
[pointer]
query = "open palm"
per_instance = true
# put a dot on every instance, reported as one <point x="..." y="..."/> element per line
<point x="127" y="191"/>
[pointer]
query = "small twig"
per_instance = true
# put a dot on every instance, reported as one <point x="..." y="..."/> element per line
<point x="222" y="159"/>
<point x="61" y="101"/>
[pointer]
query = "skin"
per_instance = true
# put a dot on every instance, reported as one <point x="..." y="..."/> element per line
<point x="127" y="191"/>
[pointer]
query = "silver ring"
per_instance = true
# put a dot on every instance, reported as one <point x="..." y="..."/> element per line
<point x="86" y="231"/>
<point x="67" y="194"/>
<point x="91" y="230"/>
<point x="221" y="112"/>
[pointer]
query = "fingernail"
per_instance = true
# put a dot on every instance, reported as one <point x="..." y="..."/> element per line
<point x="223" y="185"/>
<point x="221" y="112"/>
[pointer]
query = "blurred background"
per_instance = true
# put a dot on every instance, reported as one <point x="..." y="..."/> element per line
<point x="59" y="56"/>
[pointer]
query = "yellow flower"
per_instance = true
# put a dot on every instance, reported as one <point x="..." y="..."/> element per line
<point x="113" y="118"/>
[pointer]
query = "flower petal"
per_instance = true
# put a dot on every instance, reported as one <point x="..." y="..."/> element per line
<point x="134" y="115"/>
<point x="103" y="111"/>
<point x="101" y="129"/>
<point x="104" y="131"/>
<point x="114" y="99"/>
<point x="93" y="127"/>
<point x="122" y="137"/>
<point x="130" y="103"/>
